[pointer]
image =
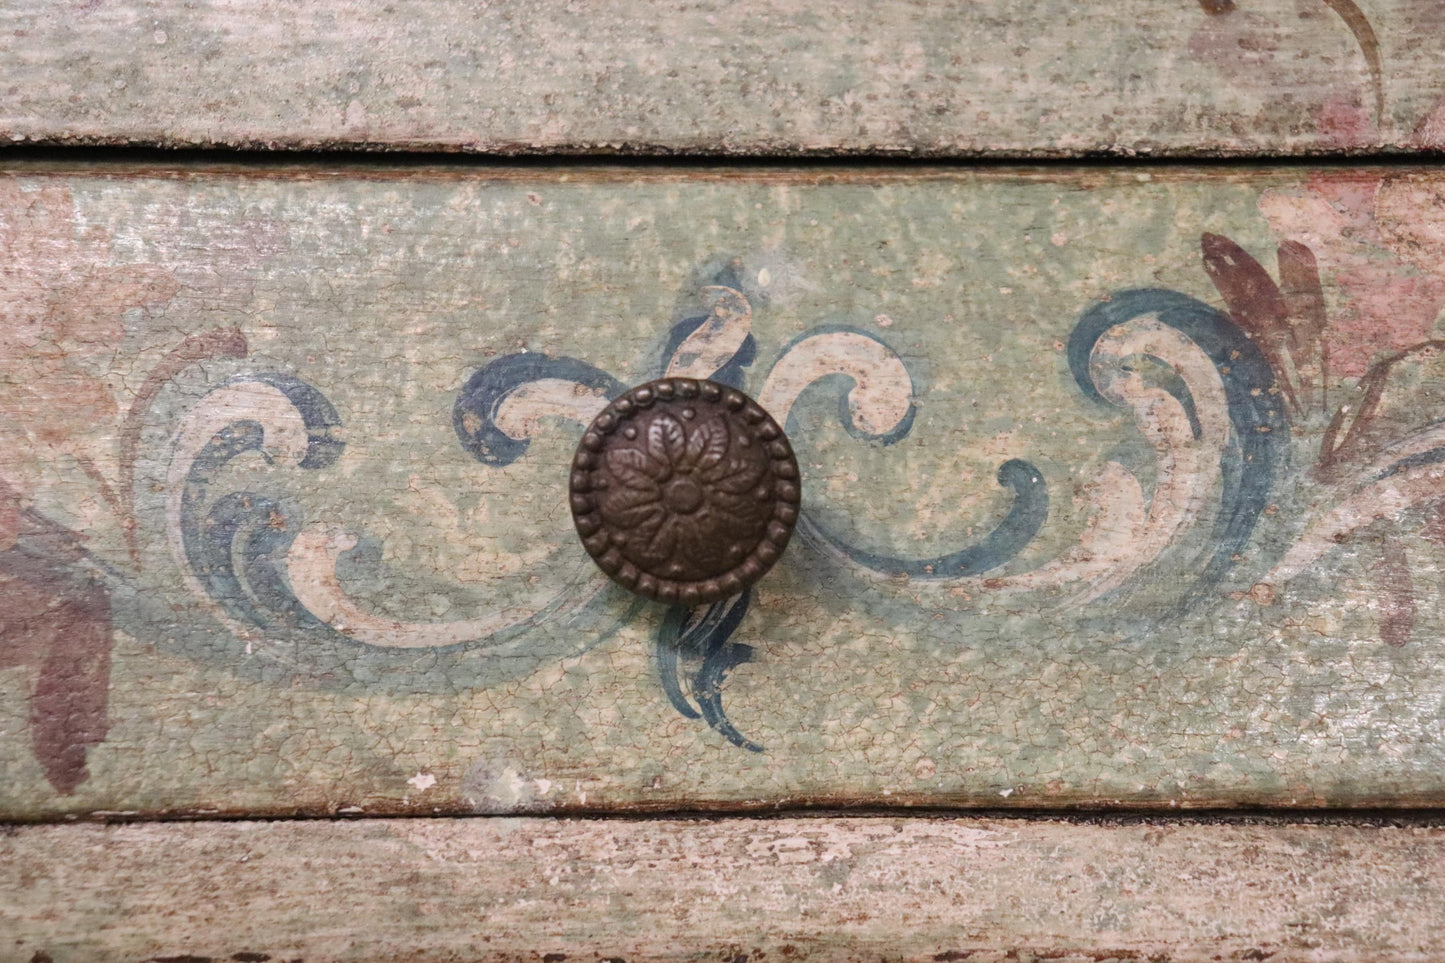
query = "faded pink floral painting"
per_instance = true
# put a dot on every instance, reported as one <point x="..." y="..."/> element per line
<point x="62" y="305"/>
<point x="1358" y="304"/>
<point x="63" y="302"/>
<point x="1379" y="241"/>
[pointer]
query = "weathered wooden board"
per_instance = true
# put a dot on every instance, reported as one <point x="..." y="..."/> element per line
<point x="818" y="889"/>
<point x="755" y="76"/>
<point x="285" y="529"/>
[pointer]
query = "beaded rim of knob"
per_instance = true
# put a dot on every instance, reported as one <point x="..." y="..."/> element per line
<point x="784" y="490"/>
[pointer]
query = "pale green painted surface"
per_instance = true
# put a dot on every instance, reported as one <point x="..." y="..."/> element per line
<point x="387" y="292"/>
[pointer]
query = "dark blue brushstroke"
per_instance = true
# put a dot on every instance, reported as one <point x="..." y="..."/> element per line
<point x="666" y="646"/>
<point x="209" y="552"/>
<point x="259" y="594"/>
<point x="1432" y="457"/>
<point x="227" y="444"/>
<point x="708" y="635"/>
<point x="1027" y="514"/>
<point x="843" y="384"/>
<point x="720" y="656"/>
<point x="485" y="391"/>
<point x="1173" y="382"/>
<point x="317" y="413"/>
<point x="266" y="540"/>
<point x="731" y="373"/>
<point x="1261" y="426"/>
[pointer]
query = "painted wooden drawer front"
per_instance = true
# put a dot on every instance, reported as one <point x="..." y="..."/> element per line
<point x="901" y="77"/>
<point x="1119" y="489"/>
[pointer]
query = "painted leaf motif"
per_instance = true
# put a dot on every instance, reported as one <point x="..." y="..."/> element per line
<point x="68" y="707"/>
<point x="634" y="469"/>
<point x="1252" y="296"/>
<point x="1253" y="299"/>
<point x="708" y="444"/>
<point x="1299" y="286"/>
<point x="61" y="622"/>
<point x="665" y="439"/>
<point x="1360" y="415"/>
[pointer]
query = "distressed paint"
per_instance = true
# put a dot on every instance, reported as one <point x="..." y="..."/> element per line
<point x="1111" y="497"/>
<point x="983" y="890"/>
<point x="760" y="76"/>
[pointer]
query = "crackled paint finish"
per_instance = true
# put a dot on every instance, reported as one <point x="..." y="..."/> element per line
<point x="751" y="76"/>
<point x="1119" y="489"/>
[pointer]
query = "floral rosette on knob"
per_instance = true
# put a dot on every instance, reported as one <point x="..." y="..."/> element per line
<point x="685" y="491"/>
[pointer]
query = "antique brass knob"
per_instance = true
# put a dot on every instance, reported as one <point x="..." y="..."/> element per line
<point x="684" y="490"/>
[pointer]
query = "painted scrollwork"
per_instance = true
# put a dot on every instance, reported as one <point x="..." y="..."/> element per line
<point x="1203" y="396"/>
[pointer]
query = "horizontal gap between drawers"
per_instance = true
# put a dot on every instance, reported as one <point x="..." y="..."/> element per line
<point x="1262" y="816"/>
<point x="363" y="156"/>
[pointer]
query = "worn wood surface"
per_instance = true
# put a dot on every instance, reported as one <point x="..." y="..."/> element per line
<point x="758" y="76"/>
<point x="1120" y="489"/>
<point x="780" y="889"/>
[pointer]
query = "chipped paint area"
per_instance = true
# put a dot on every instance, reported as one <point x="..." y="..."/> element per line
<point x="1117" y="490"/>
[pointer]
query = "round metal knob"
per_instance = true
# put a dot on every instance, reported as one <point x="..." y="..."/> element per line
<point x="685" y="491"/>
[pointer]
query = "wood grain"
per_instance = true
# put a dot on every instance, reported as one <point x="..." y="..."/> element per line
<point x="1120" y="489"/>
<point x="922" y="77"/>
<point x="816" y="889"/>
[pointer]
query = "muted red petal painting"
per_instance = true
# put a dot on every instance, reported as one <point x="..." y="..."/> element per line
<point x="63" y="304"/>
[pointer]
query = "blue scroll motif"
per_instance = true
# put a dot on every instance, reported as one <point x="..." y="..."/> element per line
<point x="697" y="635"/>
<point x="264" y="527"/>
<point x="474" y="416"/>
<point x="704" y="634"/>
<point x="1259" y="442"/>
<point x="1026" y="515"/>
<point x="841" y="384"/>
<point x="236" y="544"/>
<point x="730" y="373"/>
